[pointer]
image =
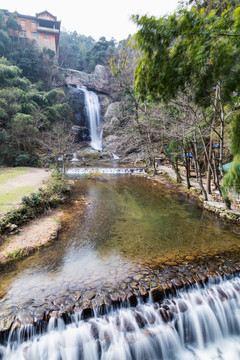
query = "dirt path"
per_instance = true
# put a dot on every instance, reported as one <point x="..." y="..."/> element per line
<point x="18" y="182"/>
<point x="33" y="235"/>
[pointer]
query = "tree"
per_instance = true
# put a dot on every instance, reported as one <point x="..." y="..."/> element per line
<point x="192" y="49"/>
<point x="218" y="5"/>
<point x="231" y="180"/>
<point x="56" y="143"/>
<point x="26" y="113"/>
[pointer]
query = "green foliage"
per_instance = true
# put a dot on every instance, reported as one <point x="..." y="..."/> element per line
<point x="37" y="203"/>
<point x="15" y="254"/>
<point x="235" y="135"/>
<point x="12" y="23"/>
<point x="188" y="47"/>
<point x="25" y="112"/>
<point x="26" y="160"/>
<point x="231" y="180"/>
<point x="218" y="5"/>
<point x="7" y="72"/>
<point x="83" y="52"/>
<point x="4" y="41"/>
<point x="28" y="60"/>
<point x="73" y="49"/>
<point x="94" y="175"/>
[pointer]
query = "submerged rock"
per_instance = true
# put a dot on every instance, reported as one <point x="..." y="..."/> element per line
<point x="157" y="293"/>
<point x="24" y="317"/>
<point x="89" y="295"/>
<point x="6" y="322"/>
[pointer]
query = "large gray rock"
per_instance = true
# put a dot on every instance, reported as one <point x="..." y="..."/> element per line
<point x="112" y="113"/>
<point x="98" y="81"/>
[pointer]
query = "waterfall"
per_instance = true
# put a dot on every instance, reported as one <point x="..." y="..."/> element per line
<point x="74" y="159"/>
<point x="94" y="117"/>
<point x="202" y="323"/>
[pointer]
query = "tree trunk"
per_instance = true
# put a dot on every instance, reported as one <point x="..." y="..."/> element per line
<point x="211" y="141"/>
<point x="174" y="166"/>
<point x="216" y="173"/>
<point x="211" y="165"/>
<point x="221" y="141"/>
<point x="187" y="166"/>
<point x="198" y="170"/>
<point x="154" y="165"/>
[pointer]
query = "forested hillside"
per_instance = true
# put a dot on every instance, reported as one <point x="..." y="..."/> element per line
<point x="31" y="111"/>
<point x="83" y="52"/>
<point x="36" y="117"/>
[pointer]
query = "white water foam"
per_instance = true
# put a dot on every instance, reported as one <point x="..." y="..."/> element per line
<point x="94" y="117"/>
<point x="199" y="324"/>
<point x="102" y="170"/>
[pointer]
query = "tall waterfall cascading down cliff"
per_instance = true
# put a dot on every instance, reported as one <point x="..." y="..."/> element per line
<point x="88" y="115"/>
<point x="94" y="117"/>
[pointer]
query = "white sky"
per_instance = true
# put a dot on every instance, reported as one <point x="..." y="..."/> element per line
<point x="109" y="18"/>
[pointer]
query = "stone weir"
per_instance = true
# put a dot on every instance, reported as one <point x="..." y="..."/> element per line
<point x="157" y="285"/>
<point x="181" y="325"/>
<point x="104" y="170"/>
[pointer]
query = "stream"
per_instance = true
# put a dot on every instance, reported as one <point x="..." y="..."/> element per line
<point x="128" y="232"/>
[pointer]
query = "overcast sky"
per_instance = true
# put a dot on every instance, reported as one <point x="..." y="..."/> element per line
<point x="109" y="18"/>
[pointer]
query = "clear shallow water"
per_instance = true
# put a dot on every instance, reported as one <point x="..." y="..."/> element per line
<point x="128" y="225"/>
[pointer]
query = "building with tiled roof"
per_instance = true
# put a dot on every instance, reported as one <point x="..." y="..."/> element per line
<point x="43" y="28"/>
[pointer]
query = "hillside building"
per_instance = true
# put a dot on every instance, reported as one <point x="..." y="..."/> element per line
<point x="43" y="28"/>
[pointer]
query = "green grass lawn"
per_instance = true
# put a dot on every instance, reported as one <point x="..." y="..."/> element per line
<point x="10" y="195"/>
<point x="8" y="200"/>
<point x="6" y="174"/>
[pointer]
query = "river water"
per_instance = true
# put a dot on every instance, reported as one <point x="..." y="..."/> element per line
<point x="127" y="226"/>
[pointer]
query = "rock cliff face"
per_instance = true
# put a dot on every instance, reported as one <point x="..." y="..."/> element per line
<point x="98" y="81"/>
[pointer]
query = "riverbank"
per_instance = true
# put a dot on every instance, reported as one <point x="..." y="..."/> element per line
<point x="31" y="237"/>
<point x="18" y="182"/>
<point x="36" y="220"/>
<point x="213" y="205"/>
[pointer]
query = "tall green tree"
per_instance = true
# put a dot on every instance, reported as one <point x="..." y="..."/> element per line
<point x="26" y="113"/>
<point x="192" y="49"/>
<point x="218" y="5"/>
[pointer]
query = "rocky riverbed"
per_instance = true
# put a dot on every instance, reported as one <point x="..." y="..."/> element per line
<point x="157" y="282"/>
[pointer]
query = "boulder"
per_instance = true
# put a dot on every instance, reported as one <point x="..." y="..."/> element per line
<point x="101" y="79"/>
<point x="98" y="81"/>
<point x="112" y="112"/>
<point x="6" y="322"/>
<point x="157" y="293"/>
<point x="24" y="317"/>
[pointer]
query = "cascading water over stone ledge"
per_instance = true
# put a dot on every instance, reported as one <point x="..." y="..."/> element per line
<point x="202" y="323"/>
<point x="102" y="170"/>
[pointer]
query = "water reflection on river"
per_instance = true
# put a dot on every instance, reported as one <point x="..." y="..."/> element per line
<point x="129" y="225"/>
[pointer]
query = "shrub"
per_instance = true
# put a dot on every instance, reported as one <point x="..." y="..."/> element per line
<point x="26" y="160"/>
<point x="94" y="175"/>
<point x="37" y="203"/>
